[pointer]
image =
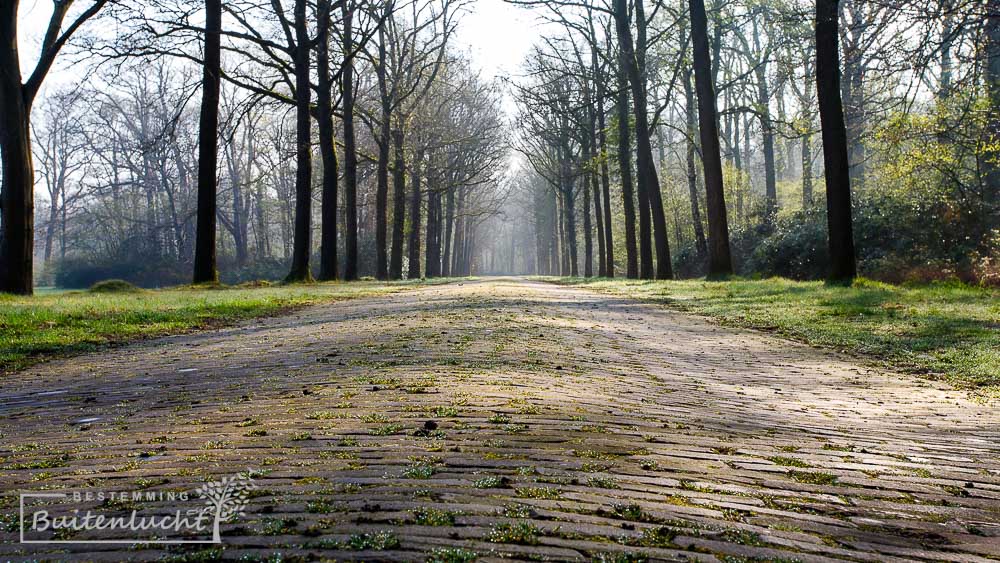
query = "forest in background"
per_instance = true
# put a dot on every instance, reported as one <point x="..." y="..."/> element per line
<point x="408" y="166"/>
<point x="919" y="91"/>
<point x="117" y="156"/>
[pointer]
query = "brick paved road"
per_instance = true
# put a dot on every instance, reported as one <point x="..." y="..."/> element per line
<point x="511" y="419"/>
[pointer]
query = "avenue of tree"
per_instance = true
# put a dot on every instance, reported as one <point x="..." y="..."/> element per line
<point x="350" y="138"/>
<point x="710" y="112"/>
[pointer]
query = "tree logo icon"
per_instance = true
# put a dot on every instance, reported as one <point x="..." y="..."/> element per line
<point x="228" y="498"/>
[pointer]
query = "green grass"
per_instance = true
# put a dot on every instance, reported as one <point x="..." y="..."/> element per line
<point x="428" y="516"/>
<point x="376" y="541"/>
<point x="787" y="461"/>
<point x="946" y="330"/>
<point x="57" y="323"/>
<point x="813" y="477"/>
<point x="451" y="555"/>
<point x="524" y="533"/>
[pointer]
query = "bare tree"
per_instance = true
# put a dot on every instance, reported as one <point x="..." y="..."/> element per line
<point x="205" y="270"/>
<point x="17" y="200"/>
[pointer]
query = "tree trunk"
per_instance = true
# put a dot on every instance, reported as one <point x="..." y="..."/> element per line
<point x="601" y="148"/>
<point x="17" y="205"/>
<point x="947" y="42"/>
<point x="555" y="232"/>
<point x="542" y="219"/>
<point x="432" y="266"/>
<point x="467" y="246"/>
<point x="413" y="244"/>
<point x="625" y="171"/>
<point x="570" y="209"/>
<point x="644" y="159"/>
<point x="63" y="211"/>
<point x="350" y="150"/>
<point x="807" y="181"/>
<point x="767" y="131"/>
<point x="692" y="172"/>
<point x="208" y="144"/>
<point x="645" y="242"/>
<point x="588" y="231"/>
<point x="807" y="140"/>
<point x="398" y="204"/>
<point x="738" y="164"/>
<point x="470" y="245"/>
<point x="260" y="221"/>
<point x="327" y="147"/>
<point x="448" y="229"/>
<point x="609" y="239"/>
<point x="852" y="92"/>
<point x="602" y="251"/>
<point x="720" y="263"/>
<point x="459" y="248"/>
<point x="382" y="166"/>
<point x="302" y="243"/>
<point x="50" y="233"/>
<point x="746" y="152"/>
<point x="649" y="184"/>
<point x="239" y="226"/>
<point x="563" y="247"/>
<point x="571" y="258"/>
<point x="991" y="162"/>
<point x="838" y="182"/>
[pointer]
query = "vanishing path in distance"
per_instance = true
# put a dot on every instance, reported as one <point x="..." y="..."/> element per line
<point x="517" y="419"/>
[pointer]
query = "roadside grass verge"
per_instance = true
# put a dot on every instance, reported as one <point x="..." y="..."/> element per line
<point x="54" y="323"/>
<point x="948" y="330"/>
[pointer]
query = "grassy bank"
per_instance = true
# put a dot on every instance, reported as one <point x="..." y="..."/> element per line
<point x="949" y="331"/>
<point x="55" y="323"/>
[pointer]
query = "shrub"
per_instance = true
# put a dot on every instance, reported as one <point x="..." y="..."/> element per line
<point x="113" y="286"/>
<point x="899" y="239"/>
<point x="79" y="272"/>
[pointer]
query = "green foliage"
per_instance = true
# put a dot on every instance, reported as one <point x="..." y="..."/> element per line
<point x="925" y="211"/>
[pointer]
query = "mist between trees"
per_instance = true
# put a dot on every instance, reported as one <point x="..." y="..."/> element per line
<point x="717" y="111"/>
<point x="353" y="139"/>
<point x="294" y="139"/>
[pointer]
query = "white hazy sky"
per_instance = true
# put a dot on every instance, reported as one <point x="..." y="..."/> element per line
<point x="33" y="15"/>
<point x="497" y="35"/>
